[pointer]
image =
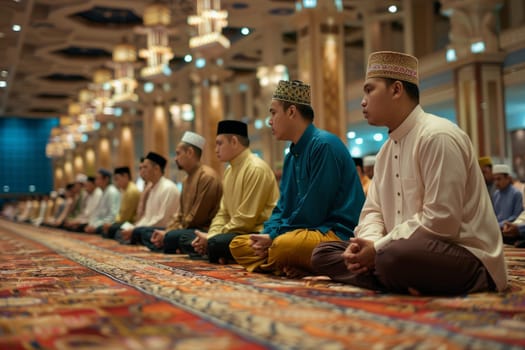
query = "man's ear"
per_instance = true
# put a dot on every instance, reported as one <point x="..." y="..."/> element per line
<point x="292" y="111"/>
<point x="397" y="88"/>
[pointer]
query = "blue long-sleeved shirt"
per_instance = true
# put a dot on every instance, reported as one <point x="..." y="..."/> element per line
<point x="508" y="204"/>
<point x="320" y="188"/>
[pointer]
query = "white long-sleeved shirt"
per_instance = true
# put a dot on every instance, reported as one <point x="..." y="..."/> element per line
<point x="92" y="200"/>
<point x="107" y="208"/>
<point x="427" y="178"/>
<point x="162" y="203"/>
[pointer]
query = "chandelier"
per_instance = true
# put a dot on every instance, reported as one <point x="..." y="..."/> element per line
<point x="124" y="84"/>
<point x="210" y="20"/>
<point x="101" y="89"/>
<point x="158" y="54"/>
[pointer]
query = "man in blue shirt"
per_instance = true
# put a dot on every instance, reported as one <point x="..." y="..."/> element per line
<point x="507" y="200"/>
<point x="321" y="194"/>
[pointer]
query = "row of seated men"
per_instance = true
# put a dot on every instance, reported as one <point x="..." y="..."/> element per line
<point x="74" y="208"/>
<point x="427" y="226"/>
<point x="165" y="221"/>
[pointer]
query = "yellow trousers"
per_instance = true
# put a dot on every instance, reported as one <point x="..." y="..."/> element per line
<point x="290" y="249"/>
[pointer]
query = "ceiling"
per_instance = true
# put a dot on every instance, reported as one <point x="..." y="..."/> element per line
<point x="62" y="42"/>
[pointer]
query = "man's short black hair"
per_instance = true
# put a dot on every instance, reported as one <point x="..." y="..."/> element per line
<point x="411" y="89"/>
<point x="306" y="111"/>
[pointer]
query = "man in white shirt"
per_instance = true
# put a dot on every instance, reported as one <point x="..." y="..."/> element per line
<point x="426" y="227"/>
<point x="109" y="204"/>
<point x="162" y="203"/>
<point x="93" y="196"/>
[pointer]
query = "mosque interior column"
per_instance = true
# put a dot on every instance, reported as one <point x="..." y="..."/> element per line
<point x="58" y="174"/>
<point x="418" y="24"/>
<point x="156" y="128"/>
<point x="268" y="75"/>
<point x="103" y="148"/>
<point x="320" y="48"/>
<point x="78" y="160"/>
<point x="474" y="39"/>
<point x="69" y="175"/>
<point x="126" y="149"/>
<point x="90" y="159"/>
<point x="208" y="101"/>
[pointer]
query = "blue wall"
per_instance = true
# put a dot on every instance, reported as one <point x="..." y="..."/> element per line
<point x="24" y="167"/>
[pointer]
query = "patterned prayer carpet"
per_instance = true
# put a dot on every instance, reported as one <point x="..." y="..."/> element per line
<point x="61" y="290"/>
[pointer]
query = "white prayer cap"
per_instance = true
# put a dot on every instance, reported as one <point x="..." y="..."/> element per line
<point x="81" y="178"/>
<point x="53" y="194"/>
<point x="194" y="139"/>
<point x="369" y="161"/>
<point x="501" y="169"/>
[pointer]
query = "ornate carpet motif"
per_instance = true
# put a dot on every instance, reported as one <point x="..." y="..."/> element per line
<point x="63" y="290"/>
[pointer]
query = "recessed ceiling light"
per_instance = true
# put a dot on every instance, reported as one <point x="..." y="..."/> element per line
<point x="16" y="28"/>
<point x="3" y="84"/>
<point x="392" y="8"/>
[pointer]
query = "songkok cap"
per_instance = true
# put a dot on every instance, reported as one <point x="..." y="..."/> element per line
<point x="194" y="139"/>
<point x="501" y="169"/>
<point x="232" y="127"/>
<point x="393" y="65"/>
<point x="157" y="158"/>
<point x="81" y="178"/>
<point x="484" y="161"/>
<point x="369" y="160"/>
<point x="122" y="170"/>
<point x="104" y="172"/>
<point x="91" y="179"/>
<point x="294" y="91"/>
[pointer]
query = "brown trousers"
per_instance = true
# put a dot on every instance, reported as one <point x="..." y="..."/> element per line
<point x="422" y="262"/>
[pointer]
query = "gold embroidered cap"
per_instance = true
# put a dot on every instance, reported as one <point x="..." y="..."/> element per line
<point x="484" y="161"/>
<point x="294" y="91"/>
<point x="394" y="65"/>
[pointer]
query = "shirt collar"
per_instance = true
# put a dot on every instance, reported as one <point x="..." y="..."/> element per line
<point x="240" y="157"/>
<point x="407" y="124"/>
<point x="300" y="146"/>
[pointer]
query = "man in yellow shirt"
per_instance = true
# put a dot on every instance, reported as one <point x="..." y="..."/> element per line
<point x="250" y="192"/>
<point x="129" y="199"/>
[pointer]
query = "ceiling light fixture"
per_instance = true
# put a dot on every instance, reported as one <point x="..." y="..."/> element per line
<point x="157" y="17"/>
<point x="210" y="20"/>
<point x="124" y="84"/>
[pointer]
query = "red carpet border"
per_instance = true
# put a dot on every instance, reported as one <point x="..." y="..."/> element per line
<point x="63" y="290"/>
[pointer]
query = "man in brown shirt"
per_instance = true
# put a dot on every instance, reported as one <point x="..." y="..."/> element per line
<point x="199" y="202"/>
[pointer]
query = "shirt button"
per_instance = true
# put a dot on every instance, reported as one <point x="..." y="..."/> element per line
<point x="399" y="212"/>
<point x="397" y="175"/>
<point x="395" y="157"/>
<point x="399" y="194"/>
<point x="395" y="142"/>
